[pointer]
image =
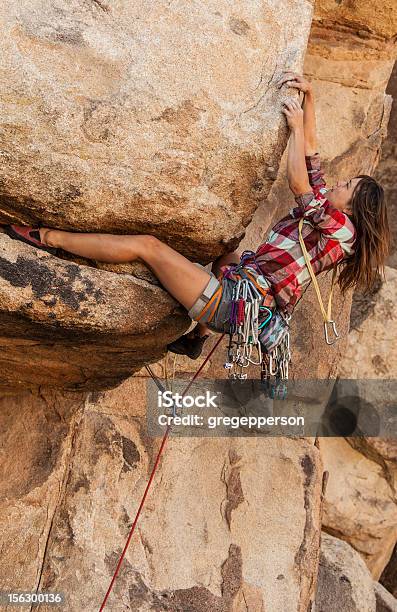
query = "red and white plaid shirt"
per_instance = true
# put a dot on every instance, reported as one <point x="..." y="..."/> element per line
<point x="328" y="233"/>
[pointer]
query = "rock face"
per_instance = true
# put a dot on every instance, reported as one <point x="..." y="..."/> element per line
<point x="371" y="350"/>
<point x="386" y="170"/>
<point x="141" y="118"/>
<point x="344" y="582"/>
<point x="68" y="325"/>
<point x="150" y="118"/>
<point x="350" y="57"/>
<point x="385" y="602"/>
<point x="74" y="469"/>
<point x="389" y="575"/>
<point x="360" y="503"/>
<point x="98" y="147"/>
<point x="372" y="315"/>
<point x="370" y="353"/>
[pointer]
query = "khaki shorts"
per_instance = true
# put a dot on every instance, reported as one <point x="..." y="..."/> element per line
<point x="212" y="308"/>
<point x="216" y="315"/>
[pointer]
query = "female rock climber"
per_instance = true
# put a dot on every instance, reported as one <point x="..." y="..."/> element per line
<point x="347" y="227"/>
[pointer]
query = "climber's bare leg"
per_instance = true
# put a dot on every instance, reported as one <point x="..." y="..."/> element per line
<point x="109" y="248"/>
<point x="182" y="279"/>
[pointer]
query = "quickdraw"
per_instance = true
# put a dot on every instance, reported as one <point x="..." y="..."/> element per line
<point x="248" y="316"/>
<point x="275" y="369"/>
<point x="243" y="328"/>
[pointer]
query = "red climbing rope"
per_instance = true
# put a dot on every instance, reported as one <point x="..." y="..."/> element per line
<point x="169" y="427"/>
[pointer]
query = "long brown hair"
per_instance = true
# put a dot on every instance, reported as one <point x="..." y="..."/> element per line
<point x="369" y="216"/>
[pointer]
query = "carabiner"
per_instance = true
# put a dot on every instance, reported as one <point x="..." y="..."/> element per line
<point x="236" y="291"/>
<point x="336" y="338"/>
<point x="258" y="348"/>
<point x="271" y="363"/>
<point x="270" y="314"/>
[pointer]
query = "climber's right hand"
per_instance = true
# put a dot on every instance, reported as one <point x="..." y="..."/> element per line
<point x="295" y="80"/>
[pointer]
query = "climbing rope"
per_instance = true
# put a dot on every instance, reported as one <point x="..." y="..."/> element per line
<point x="156" y="463"/>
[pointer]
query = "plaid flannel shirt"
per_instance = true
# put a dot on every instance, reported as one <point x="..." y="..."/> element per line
<point x="328" y="233"/>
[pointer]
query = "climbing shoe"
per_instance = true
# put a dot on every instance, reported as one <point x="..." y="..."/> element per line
<point x="192" y="346"/>
<point x="30" y="235"/>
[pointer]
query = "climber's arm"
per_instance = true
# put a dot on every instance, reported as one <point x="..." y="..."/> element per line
<point x="309" y="123"/>
<point x="297" y="81"/>
<point x="305" y="179"/>
<point x="298" y="178"/>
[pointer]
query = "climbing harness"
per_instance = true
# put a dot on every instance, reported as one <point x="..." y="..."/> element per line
<point x="154" y="469"/>
<point x="329" y="323"/>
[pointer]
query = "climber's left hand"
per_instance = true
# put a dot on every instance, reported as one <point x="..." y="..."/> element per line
<point x="293" y="113"/>
<point x="295" y="80"/>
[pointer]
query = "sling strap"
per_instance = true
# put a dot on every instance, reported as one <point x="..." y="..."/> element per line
<point x="327" y="315"/>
